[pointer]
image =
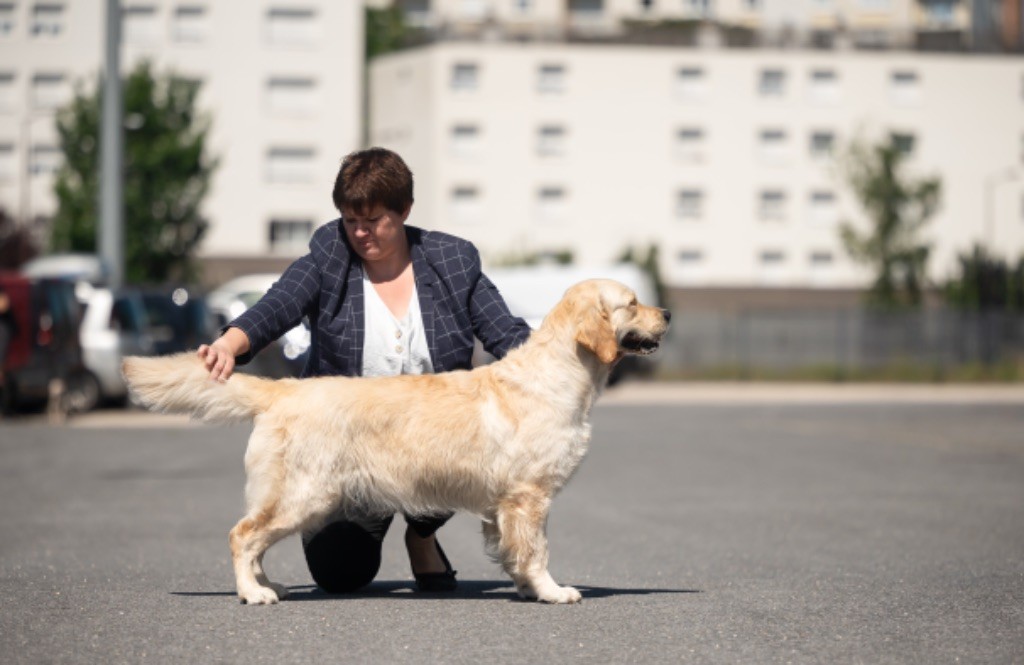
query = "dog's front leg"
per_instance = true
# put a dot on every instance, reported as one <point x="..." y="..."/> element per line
<point x="523" y="547"/>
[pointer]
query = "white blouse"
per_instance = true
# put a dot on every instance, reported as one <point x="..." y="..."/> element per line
<point x="393" y="346"/>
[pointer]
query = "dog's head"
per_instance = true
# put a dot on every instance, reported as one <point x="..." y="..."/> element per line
<point x="609" y="322"/>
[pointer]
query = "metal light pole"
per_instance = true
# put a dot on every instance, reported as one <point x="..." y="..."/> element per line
<point x="110" y="230"/>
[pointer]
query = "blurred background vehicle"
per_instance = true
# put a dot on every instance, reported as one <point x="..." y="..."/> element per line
<point x="284" y="357"/>
<point x="180" y="318"/>
<point x="532" y="291"/>
<point x="45" y="346"/>
<point x="113" y="324"/>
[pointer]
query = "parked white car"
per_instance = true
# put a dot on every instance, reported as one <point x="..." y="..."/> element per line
<point x="532" y="291"/>
<point x="113" y="325"/>
<point x="285" y="357"/>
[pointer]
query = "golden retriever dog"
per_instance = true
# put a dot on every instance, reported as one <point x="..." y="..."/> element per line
<point x="498" y="441"/>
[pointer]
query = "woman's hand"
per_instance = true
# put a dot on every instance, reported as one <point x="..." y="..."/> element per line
<point x="219" y="357"/>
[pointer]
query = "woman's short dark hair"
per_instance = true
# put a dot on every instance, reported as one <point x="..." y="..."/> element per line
<point x="372" y="177"/>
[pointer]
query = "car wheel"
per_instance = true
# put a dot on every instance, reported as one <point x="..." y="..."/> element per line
<point x="8" y="396"/>
<point x="82" y="393"/>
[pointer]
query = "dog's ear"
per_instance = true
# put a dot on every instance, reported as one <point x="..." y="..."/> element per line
<point x="594" y="331"/>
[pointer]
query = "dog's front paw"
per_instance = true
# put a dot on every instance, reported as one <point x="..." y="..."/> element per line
<point x="560" y="595"/>
<point x="260" y="595"/>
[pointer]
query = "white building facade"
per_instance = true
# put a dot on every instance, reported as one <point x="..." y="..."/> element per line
<point x="723" y="158"/>
<point x="282" y="82"/>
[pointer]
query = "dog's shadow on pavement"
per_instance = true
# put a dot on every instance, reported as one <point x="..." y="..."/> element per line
<point x="468" y="590"/>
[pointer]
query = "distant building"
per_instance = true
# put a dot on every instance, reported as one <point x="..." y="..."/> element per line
<point x="722" y="157"/>
<point x="943" y="25"/>
<point x="282" y="82"/>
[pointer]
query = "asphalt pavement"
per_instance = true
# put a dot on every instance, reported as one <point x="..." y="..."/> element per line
<point x="756" y="529"/>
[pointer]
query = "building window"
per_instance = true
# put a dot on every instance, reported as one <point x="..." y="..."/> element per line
<point x="586" y="8"/>
<point x="473" y="10"/>
<point x="416" y="13"/>
<point x="771" y="205"/>
<point x="697" y="7"/>
<point x="290" y="164"/>
<point x="822" y="265"/>
<point x="904" y="87"/>
<point x="824" y="86"/>
<point x="290" y="236"/>
<point x="690" y="144"/>
<point x="465" y="140"/>
<point x="465" y="77"/>
<point x="772" y="83"/>
<point x="691" y="83"/>
<point x="191" y="24"/>
<point x="823" y="209"/>
<point x="773" y="145"/>
<point x="47" y="20"/>
<point x="291" y="95"/>
<point x="7" y="161"/>
<point x="690" y="204"/>
<point x="551" y="141"/>
<point x="8" y="95"/>
<point x="904" y="142"/>
<point x="823" y="144"/>
<point x="690" y="265"/>
<point x="551" y="203"/>
<point x="141" y="24"/>
<point x="466" y="204"/>
<point x="551" y="79"/>
<point x="50" y="91"/>
<point x="939" y="13"/>
<point x="752" y="5"/>
<point x="6" y="19"/>
<point x="44" y="159"/>
<point x="292" y="26"/>
<point x="771" y="264"/>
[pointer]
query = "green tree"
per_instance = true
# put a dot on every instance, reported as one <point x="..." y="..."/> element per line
<point x="897" y="207"/>
<point x="17" y="242"/>
<point x="649" y="263"/>
<point x="385" y="31"/>
<point x="986" y="282"/>
<point x="166" y="175"/>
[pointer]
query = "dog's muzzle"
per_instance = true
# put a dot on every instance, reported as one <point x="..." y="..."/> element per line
<point x="642" y="345"/>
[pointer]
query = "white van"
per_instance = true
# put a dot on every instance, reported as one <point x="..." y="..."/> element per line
<point x="532" y="291"/>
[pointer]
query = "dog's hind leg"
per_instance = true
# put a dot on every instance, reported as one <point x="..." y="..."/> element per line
<point x="248" y="543"/>
<point x="261" y="577"/>
<point x="523" y="547"/>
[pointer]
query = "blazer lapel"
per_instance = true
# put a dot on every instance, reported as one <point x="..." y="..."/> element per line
<point x="425" y="281"/>
<point x="358" y="304"/>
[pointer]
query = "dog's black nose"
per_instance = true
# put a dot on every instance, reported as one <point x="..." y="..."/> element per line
<point x="667" y="314"/>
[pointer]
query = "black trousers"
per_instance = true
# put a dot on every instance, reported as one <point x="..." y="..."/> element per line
<point x="345" y="556"/>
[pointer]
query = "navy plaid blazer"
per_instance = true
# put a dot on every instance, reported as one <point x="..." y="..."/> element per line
<point x="456" y="299"/>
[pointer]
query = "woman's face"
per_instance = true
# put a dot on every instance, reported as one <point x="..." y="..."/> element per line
<point x="377" y="233"/>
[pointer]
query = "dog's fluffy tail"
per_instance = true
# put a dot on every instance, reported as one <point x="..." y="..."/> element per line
<point x="181" y="384"/>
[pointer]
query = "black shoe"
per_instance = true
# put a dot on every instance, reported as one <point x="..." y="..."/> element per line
<point x="432" y="582"/>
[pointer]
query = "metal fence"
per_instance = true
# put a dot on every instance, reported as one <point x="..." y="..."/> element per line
<point x="844" y="341"/>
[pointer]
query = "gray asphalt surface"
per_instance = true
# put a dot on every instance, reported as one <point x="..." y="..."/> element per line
<point x="711" y="533"/>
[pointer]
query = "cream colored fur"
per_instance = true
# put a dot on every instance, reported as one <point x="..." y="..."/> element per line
<point x="498" y="441"/>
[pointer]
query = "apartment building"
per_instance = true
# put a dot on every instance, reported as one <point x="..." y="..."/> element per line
<point x="281" y="81"/>
<point x="867" y="24"/>
<point x="725" y="158"/>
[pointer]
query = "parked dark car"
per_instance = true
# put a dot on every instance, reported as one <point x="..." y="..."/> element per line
<point x="179" y="318"/>
<point x="45" y="345"/>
